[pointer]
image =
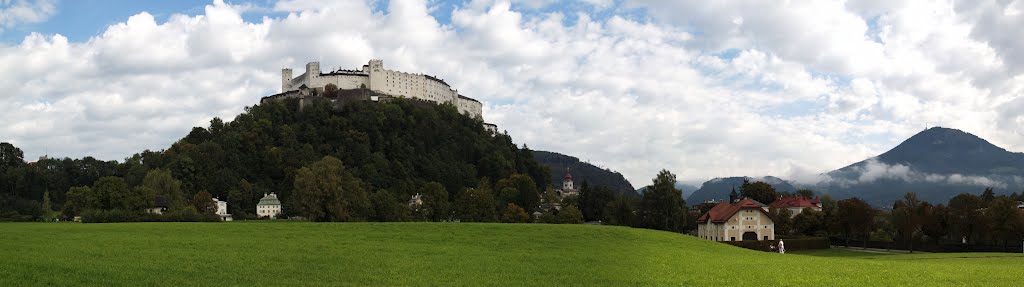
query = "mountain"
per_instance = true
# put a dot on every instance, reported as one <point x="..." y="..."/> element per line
<point x="687" y="189"/>
<point x="937" y="164"/>
<point x="719" y="188"/>
<point x="581" y="171"/>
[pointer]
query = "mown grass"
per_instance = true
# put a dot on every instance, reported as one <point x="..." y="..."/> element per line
<point x="440" y="254"/>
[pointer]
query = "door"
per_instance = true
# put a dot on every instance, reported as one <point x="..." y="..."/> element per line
<point x="749" y="236"/>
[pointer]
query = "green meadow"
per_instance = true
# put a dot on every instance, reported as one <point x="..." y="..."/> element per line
<point x="447" y="254"/>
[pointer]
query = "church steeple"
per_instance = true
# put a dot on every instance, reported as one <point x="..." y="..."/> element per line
<point x="733" y="196"/>
<point x="567" y="180"/>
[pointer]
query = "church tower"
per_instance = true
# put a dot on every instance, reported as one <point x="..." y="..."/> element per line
<point x="567" y="181"/>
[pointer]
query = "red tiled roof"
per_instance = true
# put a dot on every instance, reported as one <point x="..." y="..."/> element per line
<point x="795" y="201"/>
<point x="723" y="211"/>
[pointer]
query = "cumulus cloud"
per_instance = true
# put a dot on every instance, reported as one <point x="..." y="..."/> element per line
<point x="16" y="12"/>
<point x="702" y="89"/>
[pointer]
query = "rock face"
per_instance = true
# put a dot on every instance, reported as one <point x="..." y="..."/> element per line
<point x="719" y="188"/>
<point x="582" y="171"/>
<point x="937" y="164"/>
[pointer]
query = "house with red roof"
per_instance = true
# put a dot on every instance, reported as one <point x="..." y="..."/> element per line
<point x="796" y="204"/>
<point x="742" y="219"/>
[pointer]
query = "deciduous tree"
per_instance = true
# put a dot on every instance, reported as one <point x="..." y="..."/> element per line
<point x="759" y="191"/>
<point x="663" y="206"/>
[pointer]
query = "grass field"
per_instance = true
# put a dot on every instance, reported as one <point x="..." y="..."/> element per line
<point x="463" y="254"/>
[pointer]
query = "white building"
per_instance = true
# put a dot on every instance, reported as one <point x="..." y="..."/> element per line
<point x="374" y="77"/>
<point x="745" y="219"/>
<point x="568" y="189"/>
<point x="222" y="210"/>
<point x="269" y="206"/>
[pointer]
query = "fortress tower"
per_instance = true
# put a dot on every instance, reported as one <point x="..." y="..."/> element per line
<point x="286" y="79"/>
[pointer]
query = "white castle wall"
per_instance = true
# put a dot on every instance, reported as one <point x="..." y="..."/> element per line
<point x="376" y="78"/>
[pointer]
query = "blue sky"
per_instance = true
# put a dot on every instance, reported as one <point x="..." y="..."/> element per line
<point x="700" y="88"/>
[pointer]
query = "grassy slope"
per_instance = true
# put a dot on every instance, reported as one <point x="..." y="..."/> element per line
<point x="438" y="254"/>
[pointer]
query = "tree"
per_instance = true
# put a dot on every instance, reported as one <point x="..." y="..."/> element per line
<point x="936" y="221"/>
<point x="318" y="193"/>
<point x="783" y="218"/>
<point x="807" y="193"/>
<point x="988" y="195"/>
<point x="475" y="205"/>
<point x="162" y="183"/>
<point x="966" y="217"/>
<point x="515" y="214"/>
<point x="908" y="216"/>
<point x="10" y="157"/>
<point x="204" y="204"/>
<point x="759" y="191"/>
<point x="663" y="206"/>
<point x="855" y="218"/>
<point x="809" y="222"/>
<point x="435" y="202"/>
<point x="112" y="193"/>
<point x="527" y="195"/>
<point x="569" y="215"/>
<point x="387" y="207"/>
<point x="79" y="200"/>
<point x="593" y="200"/>
<point x="621" y="211"/>
<point x="1005" y="221"/>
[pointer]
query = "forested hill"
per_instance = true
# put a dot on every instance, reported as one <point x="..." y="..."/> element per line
<point x="399" y="146"/>
<point x="582" y="171"/>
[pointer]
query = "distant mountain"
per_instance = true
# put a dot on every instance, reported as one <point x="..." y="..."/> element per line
<point x="582" y="171"/>
<point x="687" y="189"/>
<point x="937" y="164"/>
<point x="719" y="188"/>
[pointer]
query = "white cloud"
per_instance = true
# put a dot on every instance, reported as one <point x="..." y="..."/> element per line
<point x="704" y="89"/>
<point x="16" y="12"/>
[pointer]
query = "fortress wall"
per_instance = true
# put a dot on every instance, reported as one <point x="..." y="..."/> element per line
<point x="347" y="82"/>
<point x="473" y="108"/>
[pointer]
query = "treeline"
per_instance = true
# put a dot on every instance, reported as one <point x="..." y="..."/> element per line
<point x="966" y="218"/>
<point x="396" y="147"/>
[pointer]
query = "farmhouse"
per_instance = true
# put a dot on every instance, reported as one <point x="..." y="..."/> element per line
<point x="269" y="206"/>
<point x="159" y="205"/>
<point x="796" y="204"/>
<point x="743" y="219"/>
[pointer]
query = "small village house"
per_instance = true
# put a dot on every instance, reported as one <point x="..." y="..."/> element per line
<point x="222" y="210"/>
<point x="159" y="206"/>
<point x="269" y="206"/>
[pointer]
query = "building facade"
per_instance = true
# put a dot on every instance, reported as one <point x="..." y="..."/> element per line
<point x="222" y="210"/>
<point x="375" y="77"/>
<point x="269" y="206"/>
<point x="743" y="219"/>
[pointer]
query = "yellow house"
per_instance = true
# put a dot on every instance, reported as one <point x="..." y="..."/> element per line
<point x="745" y="219"/>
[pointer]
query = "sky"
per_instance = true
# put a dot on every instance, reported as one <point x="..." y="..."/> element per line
<point x="702" y="88"/>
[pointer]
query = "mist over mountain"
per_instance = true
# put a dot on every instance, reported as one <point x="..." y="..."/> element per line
<point x="937" y="164"/>
<point x="581" y="171"/>
<point x="719" y="188"/>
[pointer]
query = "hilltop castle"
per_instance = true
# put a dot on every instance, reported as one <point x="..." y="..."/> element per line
<point x="374" y="77"/>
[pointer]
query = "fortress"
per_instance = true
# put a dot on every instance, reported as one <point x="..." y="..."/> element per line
<point x="374" y="77"/>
